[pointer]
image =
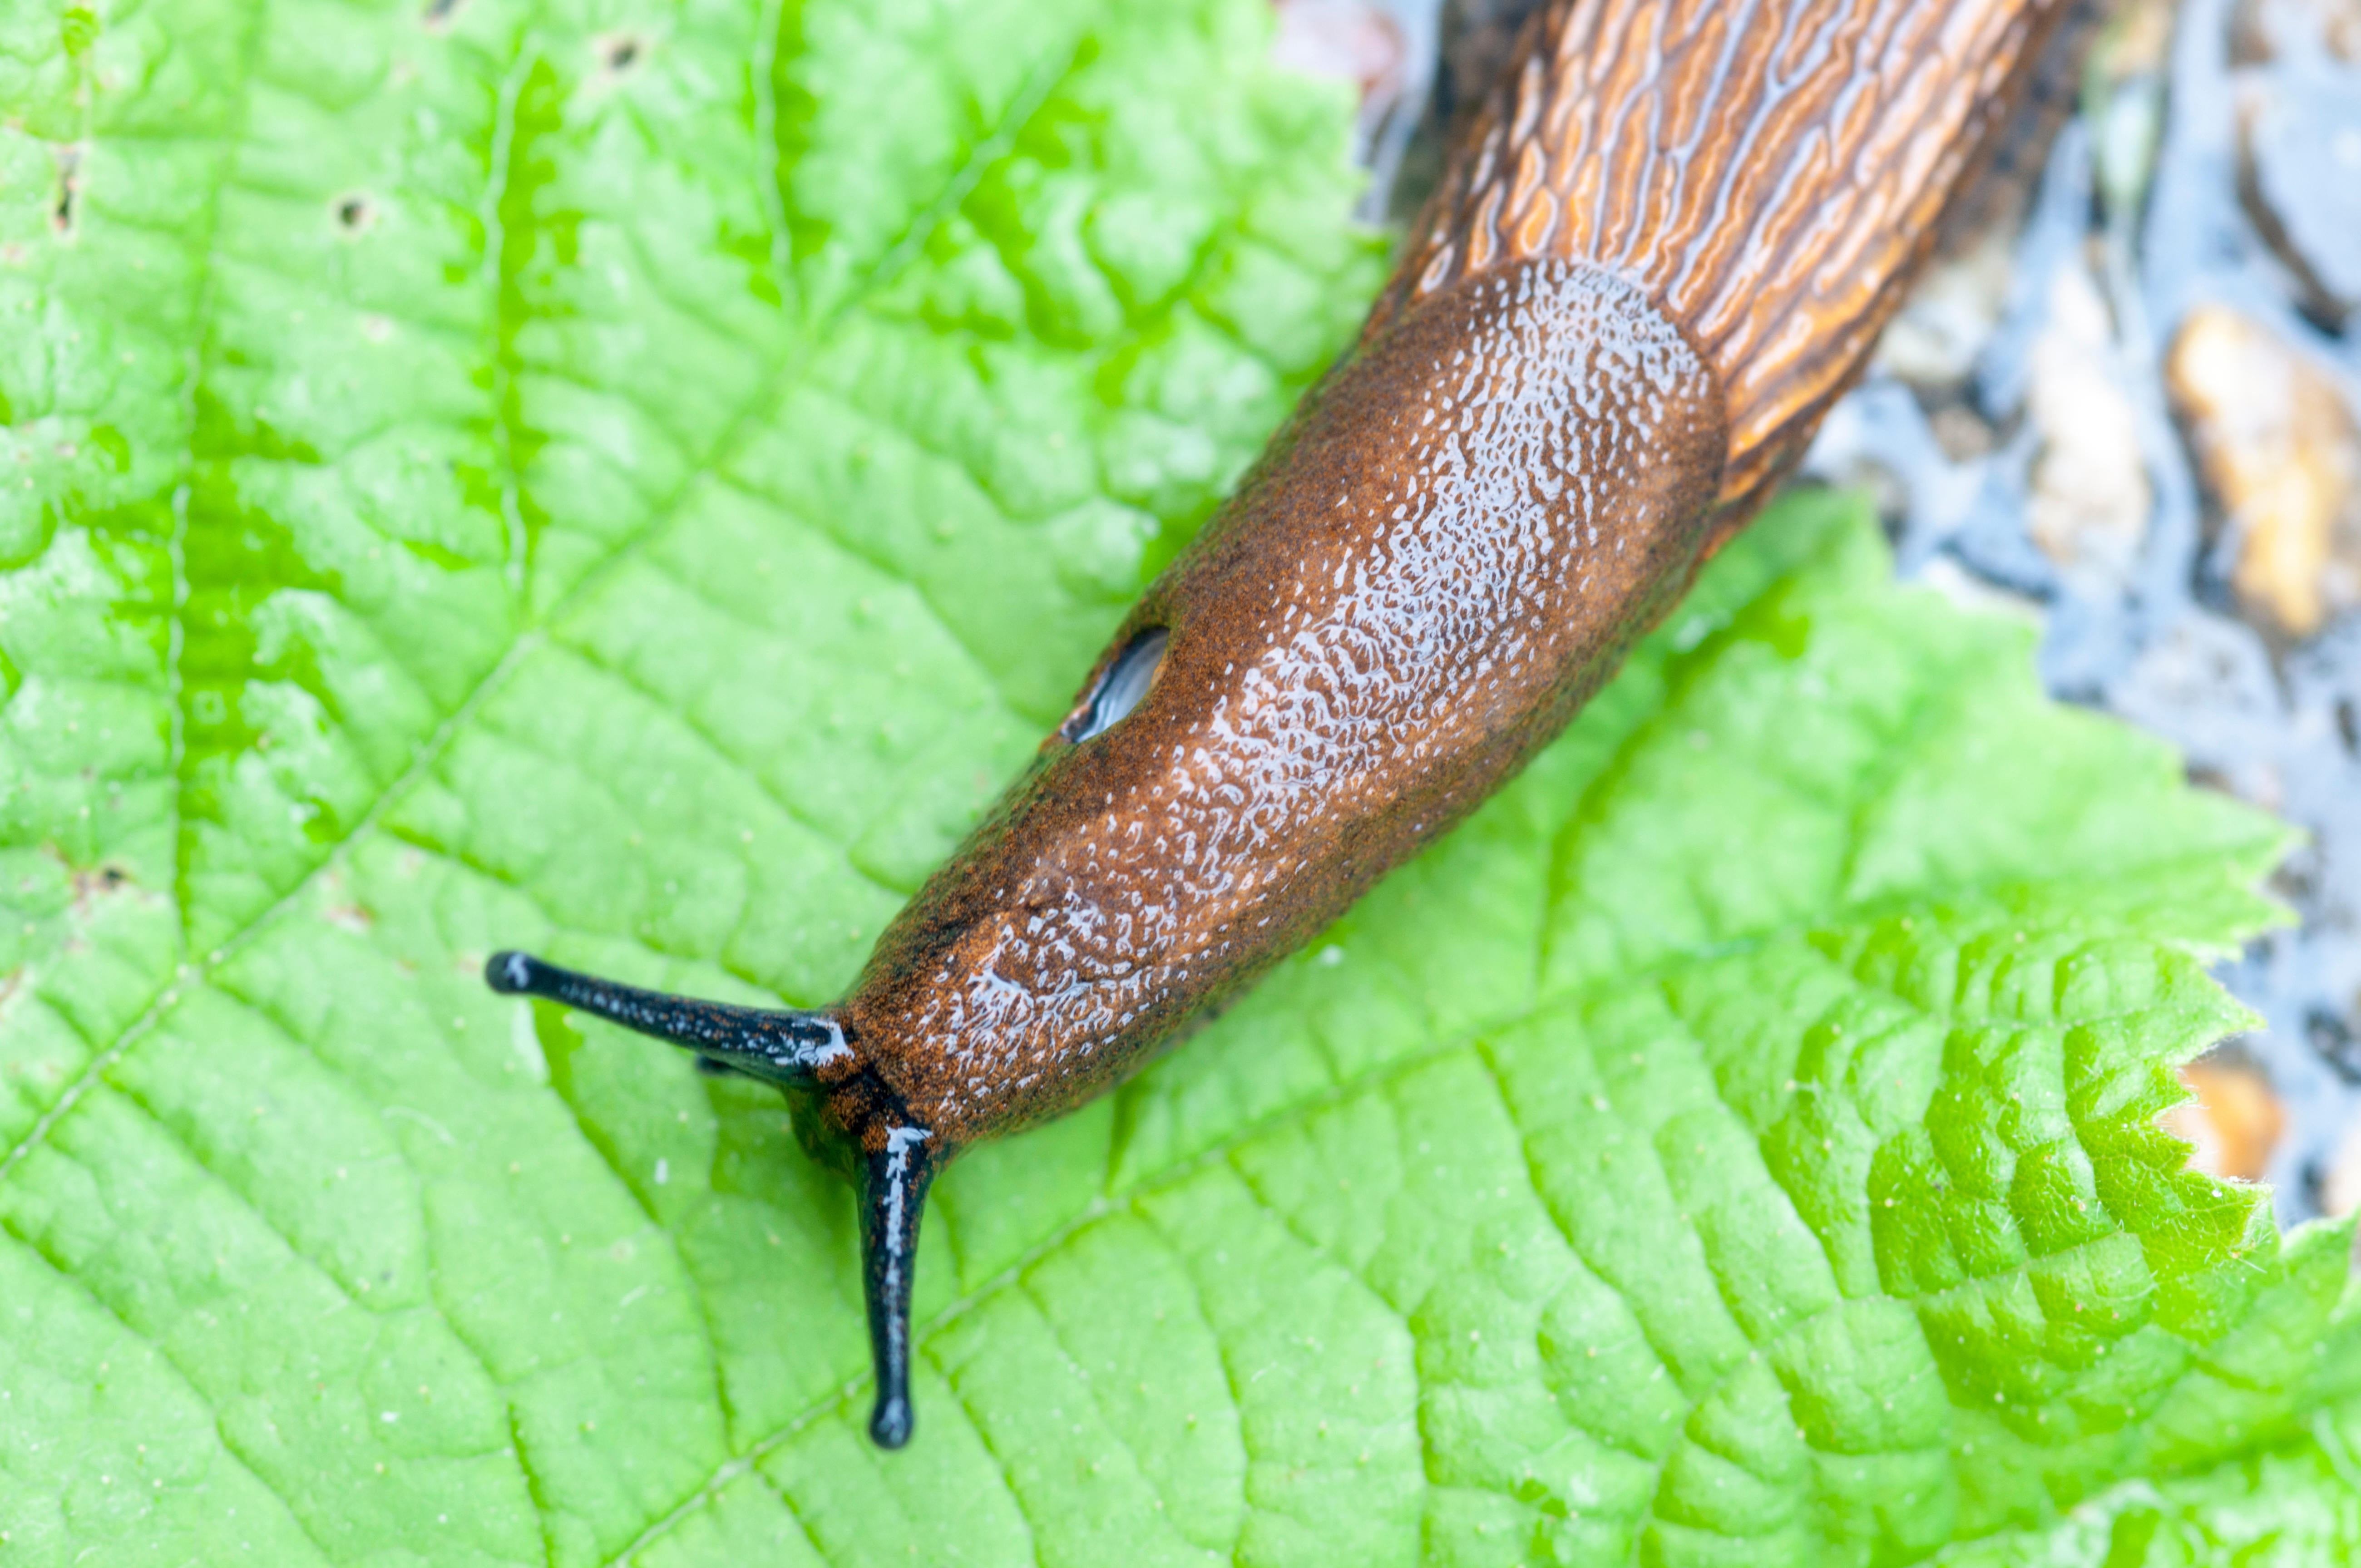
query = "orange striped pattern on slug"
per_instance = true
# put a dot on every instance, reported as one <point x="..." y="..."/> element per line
<point x="1769" y="172"/>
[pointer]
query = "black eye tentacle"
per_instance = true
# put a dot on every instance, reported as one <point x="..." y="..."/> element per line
<point x="776" y="1046"/>
<point x="894" y="1193"/>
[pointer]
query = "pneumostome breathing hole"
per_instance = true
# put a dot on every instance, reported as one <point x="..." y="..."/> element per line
<point x="1119" y="690"/>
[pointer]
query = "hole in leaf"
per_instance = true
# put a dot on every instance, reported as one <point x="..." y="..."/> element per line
<point x="1119" y="690"/>
<point x="92" y="885"/>
<point x="68" y="161"/>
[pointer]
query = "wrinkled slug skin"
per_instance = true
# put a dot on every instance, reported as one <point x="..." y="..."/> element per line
<point x="1664" y="246"/>
<point x="1771" y="173"/>
<point x="1440" y="559"/>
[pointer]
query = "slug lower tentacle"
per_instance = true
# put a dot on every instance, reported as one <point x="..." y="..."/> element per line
<point x="1663" y="248"/>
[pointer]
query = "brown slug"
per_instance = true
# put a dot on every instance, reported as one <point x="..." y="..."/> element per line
<point x="1662" y="248"/>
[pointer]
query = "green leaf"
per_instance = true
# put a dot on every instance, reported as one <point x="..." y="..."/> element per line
<point x="633" y="483"/>
<point x="2294" y="1508"/>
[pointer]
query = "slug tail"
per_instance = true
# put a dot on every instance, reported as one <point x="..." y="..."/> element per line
<point x="894" y="1195"/>
<point x="1769" y="172"/>
<point x="782" y="1047"/>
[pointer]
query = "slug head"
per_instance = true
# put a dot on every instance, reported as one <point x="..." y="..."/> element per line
<point x="842" y="1113"/>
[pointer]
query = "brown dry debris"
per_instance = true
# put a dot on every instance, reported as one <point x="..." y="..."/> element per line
<point x="2090" y="503"/>
<point x="2283" y="458"/>
<point x="2235" y="1122"/>
<point x="2340" y="1190"/>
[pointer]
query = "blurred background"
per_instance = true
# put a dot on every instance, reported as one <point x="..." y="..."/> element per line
<point x="2123" y="404"/>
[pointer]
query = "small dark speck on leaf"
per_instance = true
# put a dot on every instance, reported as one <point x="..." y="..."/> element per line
<point x="353" y="213"/>
<point x="438" y="13"/>
<point x="619" y="52"/>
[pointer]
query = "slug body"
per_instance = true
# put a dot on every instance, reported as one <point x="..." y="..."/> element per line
<point x="1437" y="562"/>
<point x="1660" y="251"/>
